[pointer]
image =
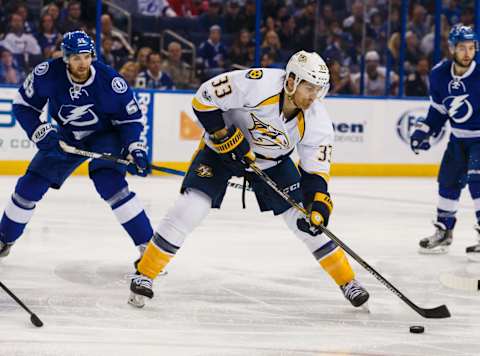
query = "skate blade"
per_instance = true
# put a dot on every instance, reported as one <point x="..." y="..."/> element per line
<point x="439" y="250"/>
<point x="364" y="308"/>
<point x="136" y="300"/>
<point x="473" y="256"/>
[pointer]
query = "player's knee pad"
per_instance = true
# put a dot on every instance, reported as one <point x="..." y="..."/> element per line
<point x="31" y="187"/>
<point x="108" y="182"/>
<point x="186" y="214"/>
<point x="313" y="242"/>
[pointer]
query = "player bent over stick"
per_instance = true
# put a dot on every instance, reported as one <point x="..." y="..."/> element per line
<point x="259" y="115"/>
<point x="95" y="110"/>
<point x="454" y="98"/>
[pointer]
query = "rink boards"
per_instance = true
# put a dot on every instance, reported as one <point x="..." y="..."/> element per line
<point x="371" y="135"/>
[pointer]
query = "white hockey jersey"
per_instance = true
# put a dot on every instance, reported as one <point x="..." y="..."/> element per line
<point x="251" y="100"/>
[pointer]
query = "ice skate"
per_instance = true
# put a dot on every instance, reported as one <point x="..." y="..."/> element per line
<point x="140" y="287"/>
<point x="438" y="243"/>
<point x="355" y="293"/>
<point x="4" y="249"/>
<point x="473" y="252"/>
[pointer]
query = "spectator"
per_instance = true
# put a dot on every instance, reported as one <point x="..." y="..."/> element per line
<point x="271" y="44"/>
<point x="267" y="61"/>
<point x="52" y="10"/>
<point x="249" y="15"/>
<point x="72" y="21"/>
<point x="306" y="26"/>
<point x="108" y="56"/>
<point x="452" y="12"/>
<point x="412" y="51"/>
<point x="184" y="8"/>
<point x="179" y="71"/>
<point x="234" y="19"/>
<point x="269" y="25"/>
<point x="129" y="72"/>
<point x="242" y="52"/>
<point x="419" y="24"/>
<point x="142" y="56"/>
<point x="288" y="33"/>
<point x="9" y="72"/>
<point x="153" y="77"/>
<point x="467" y="17"/>
<point x="212" y="53"/>
<point x="120" y="44"/>
<point x="22" y="10"/>
<point x="374" y="78"/>
<point x="48" y="36"/>
<point x="417" y="83"/>
<point x="155" y="8"/>
<point x="23" y="46"/>
<point x="340" y="81"/>
<point x="212" y="16"/>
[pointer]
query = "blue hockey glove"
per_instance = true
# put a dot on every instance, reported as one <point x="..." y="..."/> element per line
<point x="233" y="148"/>
<point x="419" y="140"/>
<point x="321" y="209"/>
<point x="46" y="138"/>
<point x="138" y="153"/>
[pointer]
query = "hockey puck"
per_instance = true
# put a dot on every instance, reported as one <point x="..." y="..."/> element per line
<point x="417" y="329"/>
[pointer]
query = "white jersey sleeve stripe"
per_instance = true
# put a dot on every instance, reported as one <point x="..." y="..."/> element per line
<point x="440" y="108"/>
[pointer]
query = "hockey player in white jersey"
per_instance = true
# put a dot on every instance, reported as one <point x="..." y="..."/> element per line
<point x="259" y="115"/>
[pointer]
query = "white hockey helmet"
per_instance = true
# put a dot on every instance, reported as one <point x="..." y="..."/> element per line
<point x="308" y="66"/>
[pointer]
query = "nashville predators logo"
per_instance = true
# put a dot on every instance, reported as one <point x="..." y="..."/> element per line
<point x="254" y="74"/>
<point x="204" y="171"/>
<point x="266" y="135"/>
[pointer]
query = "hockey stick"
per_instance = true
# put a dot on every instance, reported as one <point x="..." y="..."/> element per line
<point x="33" y="317"/>
<point x="108" y="157"/>
<point x="433" y="313"/>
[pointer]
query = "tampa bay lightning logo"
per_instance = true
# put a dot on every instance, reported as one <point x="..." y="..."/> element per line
<point x="77" y="115"/>
<point x="119" y="85"/>
<point x="458" y="107"/>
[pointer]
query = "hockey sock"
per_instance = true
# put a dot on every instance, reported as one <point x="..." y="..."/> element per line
<point x="158" y="254"/>
<point x="447" y="207"/>
<point x="19" y="210"/>
<point x="113" y="188"/>
<point x="474" y="188"/>
<point x="336" y="264"/>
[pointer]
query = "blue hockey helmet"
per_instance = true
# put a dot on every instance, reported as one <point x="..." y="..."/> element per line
<point x="460" y="33"/>
<point x="76" y="42"/>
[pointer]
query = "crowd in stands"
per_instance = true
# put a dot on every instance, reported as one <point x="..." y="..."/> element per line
<point x="349" y="34"/>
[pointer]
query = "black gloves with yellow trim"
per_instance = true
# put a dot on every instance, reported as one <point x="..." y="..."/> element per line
<point x="320" y="211"/>
<point x="233" y="148"/>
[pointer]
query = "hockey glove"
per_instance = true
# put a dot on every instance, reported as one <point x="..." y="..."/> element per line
<point x="419" y="140"/>
<point x="233" y="148"/>
<point x="322" y="207"/>
<point x="138" y="156"/>
<point x="46" y="138"/>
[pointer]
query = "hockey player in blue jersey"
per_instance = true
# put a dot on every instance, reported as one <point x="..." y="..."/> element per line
<point x="95" y="110"/>
<point x="454" y="93"/>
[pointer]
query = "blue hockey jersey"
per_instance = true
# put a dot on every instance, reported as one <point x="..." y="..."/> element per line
<point x="456" y="99"/>
<point x="103" y="103"/>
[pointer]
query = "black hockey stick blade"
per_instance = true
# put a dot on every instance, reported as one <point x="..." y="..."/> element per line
<point x="36" y="320"/>
<point x="439" y="312"/>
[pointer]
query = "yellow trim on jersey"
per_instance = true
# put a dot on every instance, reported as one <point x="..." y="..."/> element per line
<point x="270" y="101"/>
<point x="301" y="124"/>
<point x="153" y="261"/>
<point x="197" y="105"/>
<point x="337" y="266"/>
<point x="231" y="143"/>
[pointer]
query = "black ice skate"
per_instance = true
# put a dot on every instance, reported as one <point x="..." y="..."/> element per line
<point x="473" y="252"/>
<point x="438" y="243"/>
<point x="140" y="287"/>
<point x="355" y="293"/>
<point x="4" y="249"/>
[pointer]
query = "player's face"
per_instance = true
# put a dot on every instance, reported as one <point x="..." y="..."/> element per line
<point x="79" y="66"/>
<point x="464" y="53"/>
<point x="305" y="94"/>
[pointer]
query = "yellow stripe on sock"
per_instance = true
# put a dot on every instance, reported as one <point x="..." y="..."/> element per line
<point x="153" y="261"/>
<point x="338" y="267"/>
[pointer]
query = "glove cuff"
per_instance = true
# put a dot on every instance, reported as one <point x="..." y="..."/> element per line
<point x="421" y="126"/>
<point x="229" y="143"/>
<point x="138" y="145"/>
<point x="41" y="132"/>
<point x="325" y="199"/>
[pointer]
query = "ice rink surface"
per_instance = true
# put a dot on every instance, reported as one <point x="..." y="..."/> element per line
<point x="241" y="284"/>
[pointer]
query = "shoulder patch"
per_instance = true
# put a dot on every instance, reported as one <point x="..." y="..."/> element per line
<point x="254" y="74"/>
<point x="41" y="68"/>
<point x="119" y="85"/>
